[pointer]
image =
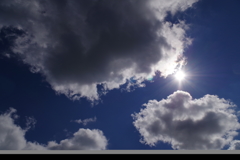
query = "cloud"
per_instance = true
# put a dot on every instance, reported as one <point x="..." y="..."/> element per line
<point x="83" y="139"/>
<point x="78" y="44"/>
<point x="30" y="122"/>
<point x="186" y="123"/>
<point x="85" y="121"/>
<point x="12" y="137"/>
<point x="235" y="145"/>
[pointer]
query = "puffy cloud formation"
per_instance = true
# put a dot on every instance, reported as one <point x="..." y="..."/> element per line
<point x="186" y="123"/>
<point x="84" y="139"/>
<point x="85" y="121"/>
<point x="12" y="137"/>
<point x="235" y="145"/>
<point x="79" y="44"/>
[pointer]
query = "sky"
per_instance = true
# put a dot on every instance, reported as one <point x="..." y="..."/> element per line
<point x="101" y="75"/>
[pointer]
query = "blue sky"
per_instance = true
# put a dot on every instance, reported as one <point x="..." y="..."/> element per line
<point x="75" y="74"/>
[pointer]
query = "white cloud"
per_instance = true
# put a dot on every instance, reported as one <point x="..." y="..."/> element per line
<point x="85" y="121"/>
<point x="78" y="44"/>
<point x="186" y="123"/>
<point x="12" y="137"/>
<point x="235" y="145"/>
<point x="173" y="6"/>
<point x="83" y="139"/>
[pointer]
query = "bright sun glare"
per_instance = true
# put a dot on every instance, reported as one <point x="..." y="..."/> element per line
<point x="180" y="75"/>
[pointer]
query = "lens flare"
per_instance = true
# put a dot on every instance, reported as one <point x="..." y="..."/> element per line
<point x="180" y="75"/>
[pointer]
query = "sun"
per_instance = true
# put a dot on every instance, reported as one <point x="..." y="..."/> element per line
<point x="180" y="75"/>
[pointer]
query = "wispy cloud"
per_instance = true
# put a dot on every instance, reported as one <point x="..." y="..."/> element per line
<point x="85" y="121"/>
<point x="30" y="122"/>
<point x="235" y="145"/>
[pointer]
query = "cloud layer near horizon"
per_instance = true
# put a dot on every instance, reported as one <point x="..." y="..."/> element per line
<point x="12" y="137"/>
<point x="79" y="44"/>
<point x="235" y="145"/>
<point x="186" y="123"/>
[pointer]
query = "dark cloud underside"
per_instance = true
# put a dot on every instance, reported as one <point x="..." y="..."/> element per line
<point x="79" y="44"/>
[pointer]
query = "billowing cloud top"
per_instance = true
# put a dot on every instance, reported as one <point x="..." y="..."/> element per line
<point x="12" y="137"/>
<point x="186" y="123"/>
<point x="84" y="139"/>
<point x="78" y="44"/>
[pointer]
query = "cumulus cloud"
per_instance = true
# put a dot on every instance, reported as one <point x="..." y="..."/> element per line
<point x="185" y="123"/>
<point x="12" y="137"/>
<point x="83" y="139"/>
<point x="85" y="121"/>
<point x="78" y="44"/>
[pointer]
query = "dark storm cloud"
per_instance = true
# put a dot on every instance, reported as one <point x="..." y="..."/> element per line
<point x="186" y="123"/>
<point x="78" y="44"/>
<point x="118" y="37"/>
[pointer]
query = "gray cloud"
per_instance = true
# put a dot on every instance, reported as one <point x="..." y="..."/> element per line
<point x="79" y="44"/>
<point x="85" y="121"/>
<point x="30" y="122"/>
<point x="12" y="137"/>
<point x="186" y="123"/>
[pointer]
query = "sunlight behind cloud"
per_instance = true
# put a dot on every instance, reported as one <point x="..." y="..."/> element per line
<point x="119" y="40"/>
